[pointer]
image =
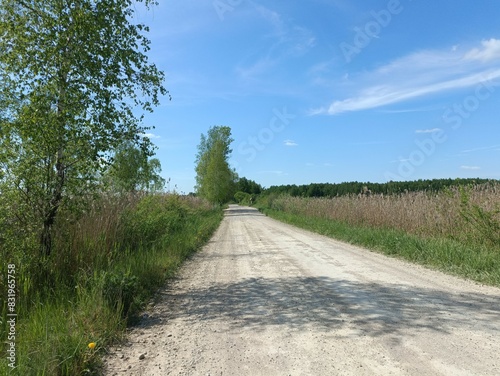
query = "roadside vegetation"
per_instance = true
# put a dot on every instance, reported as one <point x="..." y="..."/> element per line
<point x="105" y="266"/>
<point x="86" y="233"/>
<point x="455" y="229"/>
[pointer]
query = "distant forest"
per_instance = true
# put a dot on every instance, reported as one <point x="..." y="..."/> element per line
<point x="389" y="188"/>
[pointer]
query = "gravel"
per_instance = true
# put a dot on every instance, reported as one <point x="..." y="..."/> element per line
<point x="266" y="298"/>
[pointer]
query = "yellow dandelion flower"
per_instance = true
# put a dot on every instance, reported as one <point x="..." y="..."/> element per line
<point x="91" y="345"/>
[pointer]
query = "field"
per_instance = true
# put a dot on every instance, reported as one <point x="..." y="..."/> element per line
<point x="456" y="230"/>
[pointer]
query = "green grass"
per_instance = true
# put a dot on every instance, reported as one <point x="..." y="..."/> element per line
<point x="479" y="263"/>
<point x="106" y="268"/>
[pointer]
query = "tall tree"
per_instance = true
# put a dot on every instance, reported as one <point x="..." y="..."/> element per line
<point x="72" y="74"/>
<point x="215" y="180"/>
<point x="248" y="186"/>
<point x="132" y="171"/>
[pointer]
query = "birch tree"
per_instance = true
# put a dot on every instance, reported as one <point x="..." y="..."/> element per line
<point x="73" y="76"/>
<point x="132" y="171"/>
<point x="215" y="180"/>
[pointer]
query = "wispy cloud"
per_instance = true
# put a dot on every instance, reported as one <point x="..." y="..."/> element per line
<point x="286" y="40"/>
<point x="257" y="68"/>
<point x="290" y="143"/>
<point x="433" y="130"/>
<point x="296" y="39"/>
<point x="399" y="160"/>
<point x="473" y="168"/>
<point x="273" y="172"/>
<point x="494" y="147"/>
<point x="420" y="74"/>
<point x="409" y="110"/>
<point x="489" y="51"/>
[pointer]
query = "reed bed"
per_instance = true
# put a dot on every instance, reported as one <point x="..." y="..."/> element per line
<point x="468" y="214"/>
<point x="456" y="231"/>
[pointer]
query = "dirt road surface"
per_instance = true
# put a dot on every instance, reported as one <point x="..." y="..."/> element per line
<point x="266" y="298"/>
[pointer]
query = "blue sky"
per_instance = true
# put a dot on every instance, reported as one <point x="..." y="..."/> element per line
<point x="330" y="90"/>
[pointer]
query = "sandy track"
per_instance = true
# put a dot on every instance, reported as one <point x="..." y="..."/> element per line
<point x="265" y="298"/>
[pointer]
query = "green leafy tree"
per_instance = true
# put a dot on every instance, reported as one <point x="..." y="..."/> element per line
<point x="153" y="181"/>
<point x="132" y="171"/>
<point x="248" y="186"/>
<point x="215" y="180"/>
<point x="73" y="75"/>
<point x="243" y="198"/>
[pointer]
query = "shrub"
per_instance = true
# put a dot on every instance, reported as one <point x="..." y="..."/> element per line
<point x="120" y="291"/>
<point x="243" y="198"/>
<point x="484" y="221"/>
<point x="153" y="218"/>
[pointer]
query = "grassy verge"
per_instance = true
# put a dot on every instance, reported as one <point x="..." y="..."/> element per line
<point x="106" y="267"/>
<point x="477" y="262"/>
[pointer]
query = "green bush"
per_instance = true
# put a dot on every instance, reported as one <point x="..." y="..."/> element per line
<point x="121" y="290"/>
<point x="484" y="222"/>
<point x="154" y="218"/>
<point x="243" y="198"/>
<point x="104" y="269"/>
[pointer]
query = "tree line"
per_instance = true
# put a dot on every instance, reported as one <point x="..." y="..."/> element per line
<point x="218" y="183"/>
<point x="366" y="188"/>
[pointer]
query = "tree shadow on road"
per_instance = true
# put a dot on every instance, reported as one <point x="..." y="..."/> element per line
<point x="326" y="303"/>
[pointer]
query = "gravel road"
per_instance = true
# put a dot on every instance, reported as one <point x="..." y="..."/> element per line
<point x="266" y="298"/>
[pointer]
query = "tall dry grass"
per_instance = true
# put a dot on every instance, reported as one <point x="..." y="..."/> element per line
<point x="469" y="214"/>
<point x="105" y="266"/>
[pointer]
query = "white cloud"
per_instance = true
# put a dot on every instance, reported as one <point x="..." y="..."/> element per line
<point x="257" y="68"/>
<point x="297" y="39"/>
<point x="272" y="17"/>
<point x="473" y="168"/>
<point x="151" y="136"/>
<point x="273" y="172"/>
<point x="286" y="40"/>
<point x="290" y="143"/>
<point x="433" y="130"/>
<point x="378" y="96"/>
<point x="494" y="147"/>
<point x="490" y="50"/>
<point x="409" y="110"/>
<point x="321" y="67"/>
<point x="400" y="160"/>
<point x="417" y="75"/>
